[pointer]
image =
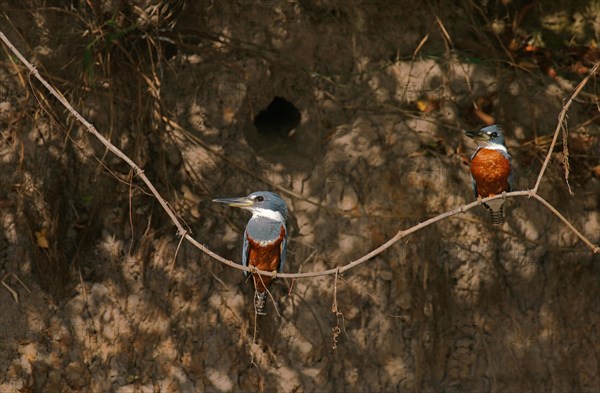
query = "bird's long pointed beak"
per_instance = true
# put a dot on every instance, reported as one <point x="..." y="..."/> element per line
<point x="477" y="135"/>
<point x="235" y="202"/>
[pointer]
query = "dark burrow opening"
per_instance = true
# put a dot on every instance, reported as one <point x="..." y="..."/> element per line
<point x="280" y="118"/>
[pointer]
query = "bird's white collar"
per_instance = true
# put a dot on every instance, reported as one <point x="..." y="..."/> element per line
<point x="267" y="213"/>
<point x="494" y="146"/>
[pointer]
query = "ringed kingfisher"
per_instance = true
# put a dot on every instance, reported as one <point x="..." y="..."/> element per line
<point x="491" y="169"/>
<point x="265" y="238"/>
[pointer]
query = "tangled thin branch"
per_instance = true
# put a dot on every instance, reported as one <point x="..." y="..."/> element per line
<point x="533" y="193"/>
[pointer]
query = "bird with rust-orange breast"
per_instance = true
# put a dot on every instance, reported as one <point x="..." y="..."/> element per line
<point x="265" y="238"/>
<point x="491" y="169"/>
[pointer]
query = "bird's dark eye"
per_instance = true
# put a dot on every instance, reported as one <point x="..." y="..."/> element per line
<point x="260" y="198"/>
<point x="494" y="134"/>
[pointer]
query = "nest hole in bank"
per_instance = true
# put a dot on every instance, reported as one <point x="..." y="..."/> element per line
<point x="279" y="118"/>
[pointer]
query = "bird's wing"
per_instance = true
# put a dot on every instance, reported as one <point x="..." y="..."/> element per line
<point x="475" y="153"/>
<point x="282" y="250"/>
<point x="245" y="250"/>
<point x="473" y="184"/>
<point x="510" y="176"/>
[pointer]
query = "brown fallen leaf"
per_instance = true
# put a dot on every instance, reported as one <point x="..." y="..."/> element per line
<point x="41" y="239"/>
<point x="427" y="106"/>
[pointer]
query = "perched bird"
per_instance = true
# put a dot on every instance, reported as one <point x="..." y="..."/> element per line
<point x="491" y="170"/>
<point x="265" y="238"/>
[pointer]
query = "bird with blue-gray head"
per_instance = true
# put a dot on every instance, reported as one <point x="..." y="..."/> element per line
<point x="491" y="169"/>
<point x="265" y="238"/>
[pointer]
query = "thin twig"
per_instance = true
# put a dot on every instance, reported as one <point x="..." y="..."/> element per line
<point x="12" y="291"/>
<point x="334" y="306"/>
<point x="565" y="139"/>
<point x="175" y="256"/>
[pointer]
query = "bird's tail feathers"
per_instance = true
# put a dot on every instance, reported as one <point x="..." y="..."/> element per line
<point x="497" y="216"/>
<point x="496" y="208"/>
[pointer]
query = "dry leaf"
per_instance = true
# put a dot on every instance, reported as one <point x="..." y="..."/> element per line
<point x="41" y="239"/>
<point x="427" y="106"/>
